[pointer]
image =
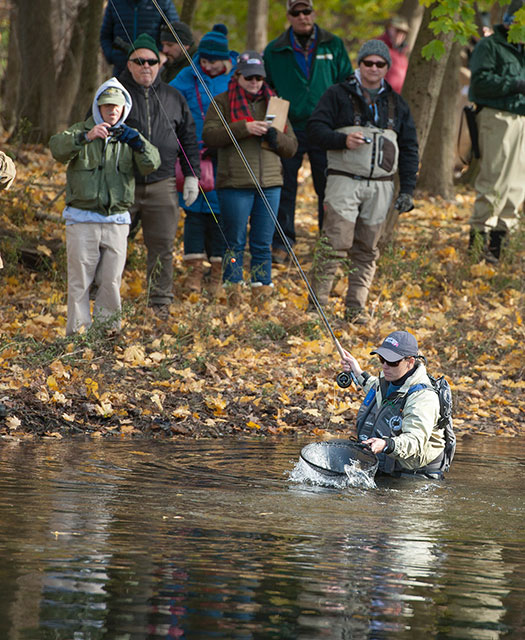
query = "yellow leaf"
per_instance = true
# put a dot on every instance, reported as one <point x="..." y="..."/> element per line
<point x="52" y="383"/>
<point x="45" y="250"/>
<point x="412" y="291"/>
<point x="482" y="270"/>
<point x="253" y="425"/>
<point x="68" y="418"/>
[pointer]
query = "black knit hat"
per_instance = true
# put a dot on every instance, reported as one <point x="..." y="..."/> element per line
<point x="214" y="45"/>
<point x="144" y="41"/>
<point x="374" y="48"/>
<point x="181" y="29"/>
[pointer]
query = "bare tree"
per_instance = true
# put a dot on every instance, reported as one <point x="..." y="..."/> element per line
<point x="187" y="12"/>
<point x="257" y="25"/>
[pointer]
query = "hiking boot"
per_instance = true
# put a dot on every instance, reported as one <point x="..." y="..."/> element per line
<point x="261" y="292"/>
<point x="162" y="311"/>
<point x="195" y="274"/>
<point x="215" y="280"/>
<point x="233" y="294"/>
<point x="357" y="315"/>
<point x="280" y="256"/>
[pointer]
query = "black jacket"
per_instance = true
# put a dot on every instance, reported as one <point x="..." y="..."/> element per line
<point x="335" y="110"/>
<point x="162" y="115"/>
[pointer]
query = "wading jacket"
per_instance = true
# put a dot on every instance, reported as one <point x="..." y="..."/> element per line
<point x="162" y="115"/>
<point x="265" y="163"/>
<point x="336" y="110"/>
<point x="412" y="427"/>
<point x="497" y="65"/>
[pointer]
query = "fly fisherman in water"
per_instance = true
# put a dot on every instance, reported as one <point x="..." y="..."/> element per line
<point x="399" y="416"/>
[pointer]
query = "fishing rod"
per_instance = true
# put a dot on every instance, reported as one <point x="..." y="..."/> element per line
<point x="343" y="379"/>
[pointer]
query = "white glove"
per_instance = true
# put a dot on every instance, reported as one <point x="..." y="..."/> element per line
<point x="190" y="191"/>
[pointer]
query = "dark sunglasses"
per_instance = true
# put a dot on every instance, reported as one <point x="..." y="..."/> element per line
<point x="142" y="61"/>
<point x="250" y="78"/>
<point x="297" y="12"/>
<point x="390" y="364"/>
<point x="373" y="63"/>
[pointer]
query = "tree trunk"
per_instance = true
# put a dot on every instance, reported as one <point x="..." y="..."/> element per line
<point x="187" y="13"/>
<point x="257" y="25"/>
<point x="412" y="11"/>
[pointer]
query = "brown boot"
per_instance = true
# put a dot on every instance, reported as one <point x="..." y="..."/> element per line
<point x="195" y="273"/>
<point x="233" y="294"/>
<point x="215" y="276"/>
<point x="261" y="293"/>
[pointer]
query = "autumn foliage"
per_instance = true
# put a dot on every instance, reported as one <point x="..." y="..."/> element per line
<point x="209" y="370"/>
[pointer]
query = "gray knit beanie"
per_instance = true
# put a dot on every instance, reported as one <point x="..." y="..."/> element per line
<point x="374" y="48"/>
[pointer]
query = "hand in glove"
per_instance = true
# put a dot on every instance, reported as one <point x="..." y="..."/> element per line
<point x="404" y="202"/>
<point x="132" y="137"/>
<point x="271" y="137"/>
<point x="190" y="191"/>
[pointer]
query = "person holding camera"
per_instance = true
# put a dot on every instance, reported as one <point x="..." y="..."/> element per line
<point x="370" y="135"/>
<point x="101" y="154"/>
<point x="244" y="107"/>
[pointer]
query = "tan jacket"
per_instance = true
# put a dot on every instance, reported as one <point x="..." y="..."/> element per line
<point x="265" y="163"/>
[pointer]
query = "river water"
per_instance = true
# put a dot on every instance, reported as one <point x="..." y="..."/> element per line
<point x="212" y="539"/>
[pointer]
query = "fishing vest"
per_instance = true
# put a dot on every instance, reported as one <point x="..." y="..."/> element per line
<point x="386" y="421"/>
<point x="376" y="160"/>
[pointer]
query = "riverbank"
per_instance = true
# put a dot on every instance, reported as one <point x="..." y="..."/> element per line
<point x="208" y="370"/>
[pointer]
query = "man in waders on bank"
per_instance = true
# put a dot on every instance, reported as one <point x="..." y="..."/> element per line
<point x="400" y="415"/>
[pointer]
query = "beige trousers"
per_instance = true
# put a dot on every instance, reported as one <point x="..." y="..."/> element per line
<point x="500" y="184"/>
<point x="96" y="252"/>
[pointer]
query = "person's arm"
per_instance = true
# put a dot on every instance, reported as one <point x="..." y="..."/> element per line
<point x="322" y="123"/>
<point x="284" y="143"/>
<point x="170" y="11"/>
<point x="68" y="144"/>
<point x="408" y="150"/>
<point x="420" y="415"/>
<point x="147" y="160"/>
<point x="214" y="133"/>
<point x="188" y="140"/>
<point x="485" y="81"/>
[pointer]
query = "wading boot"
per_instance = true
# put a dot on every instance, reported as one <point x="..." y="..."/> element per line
<point x="496" y="237"/>
<point x="215" y="276"/>
<point x="195" y="273"/>
<point x="233" y="294"/>
<point x="261" y="292"/>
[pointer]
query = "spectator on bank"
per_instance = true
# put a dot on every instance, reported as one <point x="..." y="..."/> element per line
<point x="175" y="54"/>
<point x="244" y="106"/>
<point x="7" y="175"/>
<point x="101" y="154"/>
<point x="301" y="64"/>
<point x="202" y="235"/>
<point x="124" y="21"/>
<point x="395" y="37"/>
<point x="370" y="135"/>
<point x="497" y="87"/>
<point x="162" y="114"/>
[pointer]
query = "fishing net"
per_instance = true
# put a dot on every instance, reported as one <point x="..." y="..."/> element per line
<point x="330" y="458"/>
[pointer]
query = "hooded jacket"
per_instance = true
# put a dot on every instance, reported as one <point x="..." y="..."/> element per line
<point x="100" y="173"/>
<point x="497" y="65"/>
<point x="412" y="427"/>
<point x="162" y="115"/>
<point x="336" y="110"/>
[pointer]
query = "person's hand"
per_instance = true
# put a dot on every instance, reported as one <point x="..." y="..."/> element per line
<point x="271" y="137"/>
<point x="376" y="444"/>
<point x="190" y="191"/>
<point x="355" y="140"/>
<point x="349" y="363"/>
<point x="257" y="127"/>
<point x="98" y="131"/>
<point x="132" y="137"/>
<point x="404" y="202"/>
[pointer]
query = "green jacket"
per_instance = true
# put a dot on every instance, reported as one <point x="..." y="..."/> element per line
<point x="99" y="174"/>
<point x="331" y="64"/>
<point x="497" y="66"/>
<point x="265" y="163"/>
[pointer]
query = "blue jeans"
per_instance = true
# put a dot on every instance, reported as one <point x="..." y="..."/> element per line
<point x="238" y="206"/>
<point x="291" y="166"/>
<point x="202" y="234"/>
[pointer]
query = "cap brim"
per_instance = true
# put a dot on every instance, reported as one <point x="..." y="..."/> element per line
<point x="391" y="356"/>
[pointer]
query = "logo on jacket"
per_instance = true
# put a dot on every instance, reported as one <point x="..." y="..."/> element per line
<point x="395" y="423"/>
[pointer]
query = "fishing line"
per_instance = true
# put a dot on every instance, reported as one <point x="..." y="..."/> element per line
<point x="344" y="379"/>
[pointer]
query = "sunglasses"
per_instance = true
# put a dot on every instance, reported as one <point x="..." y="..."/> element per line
<point x="250" y="78"/>
<point x="145" y="61"/>
<point x="390" y="364"/>
<point x="373" y="63"/>
<point x="297" y="12"/>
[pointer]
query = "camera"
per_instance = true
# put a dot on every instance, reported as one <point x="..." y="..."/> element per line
<point x="367" y="140"/>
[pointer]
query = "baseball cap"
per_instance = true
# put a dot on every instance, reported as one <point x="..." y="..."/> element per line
<point x="291" y="4"/>
<point x="397" y="345"/>
<point x="250" y="63"/>
<point x="111" y="95"/>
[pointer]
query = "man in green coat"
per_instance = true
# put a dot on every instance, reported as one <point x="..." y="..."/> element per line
<point x="498" y="87"/>
<point x="101" y="154"/>
<point x="300" y="65"/>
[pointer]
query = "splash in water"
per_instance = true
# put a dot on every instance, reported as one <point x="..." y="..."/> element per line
<point x="354" y="476"/>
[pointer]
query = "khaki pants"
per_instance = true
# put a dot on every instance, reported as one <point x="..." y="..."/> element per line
<point x="157" y="206"/>
<point x="355" y="212"/>
<point x="96" y="252"/>
<point x="500" y="185"/>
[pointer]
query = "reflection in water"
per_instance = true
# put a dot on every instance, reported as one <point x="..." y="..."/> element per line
<point x="212" y="539"/>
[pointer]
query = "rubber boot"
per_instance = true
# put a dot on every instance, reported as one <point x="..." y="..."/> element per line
<point x="496" y="238"/>
<point x="195" y="273"/>
<point x="261" y="293"/>
<point x="233" y="294"/>
<point x="215" y="276"/>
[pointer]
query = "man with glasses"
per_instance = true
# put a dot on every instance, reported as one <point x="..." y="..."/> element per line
<point x="301" y="64"/>
<point x="399" y="416"/>
<point x="162" y="115"/>
<point x="369" y="135"/>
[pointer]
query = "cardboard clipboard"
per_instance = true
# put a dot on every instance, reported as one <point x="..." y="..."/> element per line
<point x="278" y="108"/>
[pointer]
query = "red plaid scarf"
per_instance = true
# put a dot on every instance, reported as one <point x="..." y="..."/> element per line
<point x="239" y="100"/>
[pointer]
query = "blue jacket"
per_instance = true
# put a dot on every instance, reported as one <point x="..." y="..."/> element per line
<point x="186" y="82"/>
<point x="128" y="19"/>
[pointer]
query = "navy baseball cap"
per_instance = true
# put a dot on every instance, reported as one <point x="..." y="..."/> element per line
<point x="397" y="345"/>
